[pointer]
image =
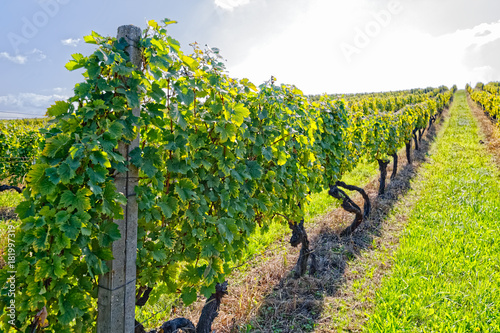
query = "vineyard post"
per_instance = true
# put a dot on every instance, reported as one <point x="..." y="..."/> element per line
<point x="116" y="297"/>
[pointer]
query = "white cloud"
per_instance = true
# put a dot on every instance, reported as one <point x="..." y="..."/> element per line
<point x="21" y="59"/>
<point x="307" y="52"/>
<point x="17" y="59"/>
<point x="60" y="90"/>
<point x="70" y="42"/>
<point x="36" y="55"/>
<point x="29" y="103"/>
<point x="231" y="4"/>
<point x="305" y="49"/>
<point x="28" y="100"/>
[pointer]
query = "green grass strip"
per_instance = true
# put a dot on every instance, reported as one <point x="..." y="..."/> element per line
<point x="446" y="273"/>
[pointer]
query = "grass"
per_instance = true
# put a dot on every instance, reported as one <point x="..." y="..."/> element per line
<point x="446" y="272"/>
<point x="322" y="202"/>
<point x="10" y="199"/>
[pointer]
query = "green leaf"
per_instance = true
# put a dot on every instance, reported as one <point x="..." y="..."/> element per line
<point x="77" y="62"/>
<point x="62" y="217"/>
<point x="38" y="181"/>
<point x="112" y="200"/>
<point x="59" y="270"/>
<point x="23" y="268"/>
<point x="224" y="229"/>
<point x="116" y="129"/>
<point x="57" y="146"/>
<point x="150" y="159"/>
<point x="169" y="207"/>
<point x="168" y="21"/>
<point x="190" y="62"/>
<point x="264" y="200"/>
<point x="101" y="158"/>
<point x="72" y="228"/>
<point x="46" y="187"/>
<point x="178" y="117"/>
<point x="156" y="92"/>
<point x="78" y="200"/>
<point x="43" y="269"/>
<point x="159" y="255"/>
<point x="227" y="132"/>
<point x="184" y="188"/>
<point x="254" y="169"/>
<point x="60" y="242"/>
<point x="282" y="158"/>
<point x="110" y="233"/>
<point x="97" y="174"/>
<point x="25" y="209"/>
<point x="53" y="175"/>
<point x="166" y="238"/>
<point x="267" y="152"/>
<point x="105" y="253"/>
<point x="207" y="291"/>
<point x="59" y="108"/>
<point x="240" y="113"/>
<point x="36" y="174"/>
<point x="188" y="295"/>
<point x="93" y="38"/>
<point x="66" y="173"/>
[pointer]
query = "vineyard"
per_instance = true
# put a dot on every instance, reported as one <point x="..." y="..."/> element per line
<point x="210" y="162"/>
<point x="19" y="146"/>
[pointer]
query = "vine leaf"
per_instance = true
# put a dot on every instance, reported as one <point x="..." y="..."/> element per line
<point x="79" y="200"/>
<point x="59" y="108"/>
<point x="184" y="189"/>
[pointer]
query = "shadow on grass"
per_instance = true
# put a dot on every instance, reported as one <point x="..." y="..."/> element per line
<point x="296" y="305"/>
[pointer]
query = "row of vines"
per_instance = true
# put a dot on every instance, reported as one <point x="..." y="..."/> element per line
<point x="488" y="97"/>
<point x="19" y="146"/>
<point x="217" y="157"/>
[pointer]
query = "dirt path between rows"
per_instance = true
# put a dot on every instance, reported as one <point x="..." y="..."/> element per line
<point x="266" y="297"/>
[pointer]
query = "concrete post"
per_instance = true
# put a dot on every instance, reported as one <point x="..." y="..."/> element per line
<point x="116" y="297"/>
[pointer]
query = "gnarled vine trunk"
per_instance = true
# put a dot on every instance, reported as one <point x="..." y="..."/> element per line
<point x="394" y="166"/>
<point x="208" y="314"/>
<point x="299" y="236"/>
<point x="382" y="166"/>
<point x="142" y="296"/>
<point x="415" y="140"/>
<point x="431" y="121"/>
<point x="9" y="187"/>
<point x="408" y="152"/>
<point x="350" y="205"/>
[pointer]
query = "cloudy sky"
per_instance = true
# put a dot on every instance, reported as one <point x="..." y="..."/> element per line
<point x="321" y="46"/>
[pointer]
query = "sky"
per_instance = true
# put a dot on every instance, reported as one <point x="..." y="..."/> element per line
<point x="321" y="46"/>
